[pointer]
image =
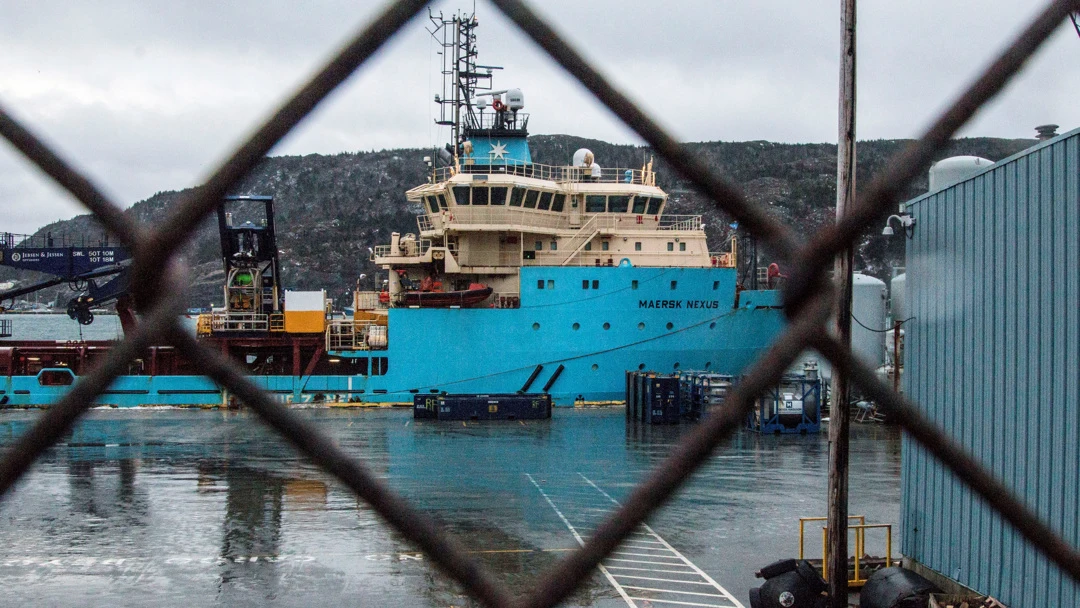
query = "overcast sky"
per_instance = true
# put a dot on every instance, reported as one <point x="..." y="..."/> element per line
<point x="148" y="95"/>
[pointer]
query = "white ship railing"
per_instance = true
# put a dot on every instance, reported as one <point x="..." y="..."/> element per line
<point x="239" y="321"/>
<point x="520" y="218"/>
<point x="348" y="334"/>
<point x="421" y="248"/>
<point x="557" y="173"/>
<point x="680" y="222"/>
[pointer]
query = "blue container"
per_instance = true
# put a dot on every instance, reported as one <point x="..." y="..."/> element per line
<point x="792" y="406"/>
<point x="482" y="407"/>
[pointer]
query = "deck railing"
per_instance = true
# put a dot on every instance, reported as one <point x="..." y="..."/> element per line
<point x="557" y="173"/>
<point x="809" y="299"/>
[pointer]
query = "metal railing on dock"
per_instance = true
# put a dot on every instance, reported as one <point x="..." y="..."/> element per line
<point x="862" y="564"/>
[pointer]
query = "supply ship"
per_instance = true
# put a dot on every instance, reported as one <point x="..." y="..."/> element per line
<point x="520" y="277"/>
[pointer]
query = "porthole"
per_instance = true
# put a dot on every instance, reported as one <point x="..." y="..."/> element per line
<point x="607" y="325"/>
<point x="576" y="326"/>
<point x="641" y="326"/>
<point x="641" y="367"/>
<point x="670" y="325"/>
<point x="595" y="367"/>
<point x="712" y="325"/>
<point x="536" y="326"/>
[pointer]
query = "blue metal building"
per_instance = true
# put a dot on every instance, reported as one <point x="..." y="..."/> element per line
<point x="993" y="357"/>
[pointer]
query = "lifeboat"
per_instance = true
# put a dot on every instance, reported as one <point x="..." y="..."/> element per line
<point x="476" y="293"/>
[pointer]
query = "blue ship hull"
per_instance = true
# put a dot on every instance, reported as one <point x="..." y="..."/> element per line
<point x="596" y="322"/>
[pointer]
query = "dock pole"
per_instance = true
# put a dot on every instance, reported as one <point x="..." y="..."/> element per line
<point x="836" y="568"/>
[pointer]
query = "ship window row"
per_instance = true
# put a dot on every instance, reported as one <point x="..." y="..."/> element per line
<point x="436" y="202"/>
<point x="585" y="284"/>
<point x="599" y="203"/>
<point x="550" y="283"/>
<point x="671" y="246"/>
<point x="517" y="196"/>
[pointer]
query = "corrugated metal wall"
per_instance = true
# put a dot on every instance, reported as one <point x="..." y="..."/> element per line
<point x="993" y="356"/>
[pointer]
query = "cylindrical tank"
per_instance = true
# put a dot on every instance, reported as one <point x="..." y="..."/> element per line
<point x="868" y="308"/>
<point x="896" y="294"/>
<point x="949" y="171"/>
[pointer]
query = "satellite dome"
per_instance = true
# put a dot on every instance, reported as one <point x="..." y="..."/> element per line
<point x="595" y="170"/>
<point x="583" y="158"/>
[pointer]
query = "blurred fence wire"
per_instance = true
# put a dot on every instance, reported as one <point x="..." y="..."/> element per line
<point x="808" y="303"/>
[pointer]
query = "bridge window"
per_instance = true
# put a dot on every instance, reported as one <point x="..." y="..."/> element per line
<point x="517" y="196"/>
<point x="498" y="195"/>
<point x="480" y="196"/>
<point x="557" y="202"/>
<point x="442" y="201"/>
<point x="433" y="204"/>
<point x="618" y="204"/>
<point x="654" y="206"/>
<point x="639" y="204"/>
<point x="595" y="203"/>
<point x="461" y="195"/>
<point x="545" y="201"/>
<point x="530" y="199"/>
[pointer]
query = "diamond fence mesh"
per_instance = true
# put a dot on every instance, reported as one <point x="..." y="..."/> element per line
<point x="808" y="303"/>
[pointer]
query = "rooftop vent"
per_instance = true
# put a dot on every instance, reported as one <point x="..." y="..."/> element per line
<point x="1046" y="132"/>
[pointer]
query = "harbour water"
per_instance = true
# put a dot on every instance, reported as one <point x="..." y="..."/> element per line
<point x="195" y="507"/>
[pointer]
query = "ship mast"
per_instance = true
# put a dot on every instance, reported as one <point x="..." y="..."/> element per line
<point x="463" y="78"/>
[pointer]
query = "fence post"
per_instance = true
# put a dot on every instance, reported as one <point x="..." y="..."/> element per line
<point x="836" y="565"/>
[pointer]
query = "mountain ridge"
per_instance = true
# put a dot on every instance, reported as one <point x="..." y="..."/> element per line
<point x="331" y="208"/>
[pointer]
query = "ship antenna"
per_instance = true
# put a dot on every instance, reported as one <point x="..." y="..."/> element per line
<point x="462" y="76"/>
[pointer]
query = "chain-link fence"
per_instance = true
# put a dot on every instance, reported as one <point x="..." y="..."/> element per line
<point x="808" y="302"/>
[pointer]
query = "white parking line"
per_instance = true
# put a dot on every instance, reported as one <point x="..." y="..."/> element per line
<point x="670" y="591"/>
<point x="581" y="512"/>
<point x="581" y="542"/>
<point x="656" y="601"/>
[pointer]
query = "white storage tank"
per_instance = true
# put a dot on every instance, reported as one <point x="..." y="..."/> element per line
<point x="896" y="294"/>
<point x="956" y="169"/>
<point x="868" y="308"/>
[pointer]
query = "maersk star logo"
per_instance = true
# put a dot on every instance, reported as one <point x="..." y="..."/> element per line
<point x="498" y="150"/>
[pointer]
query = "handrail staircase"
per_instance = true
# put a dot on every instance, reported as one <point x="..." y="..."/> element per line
<point x="586" y="233"/>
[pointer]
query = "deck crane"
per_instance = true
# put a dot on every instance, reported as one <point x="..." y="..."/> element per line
<point x="99" y="272"/>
